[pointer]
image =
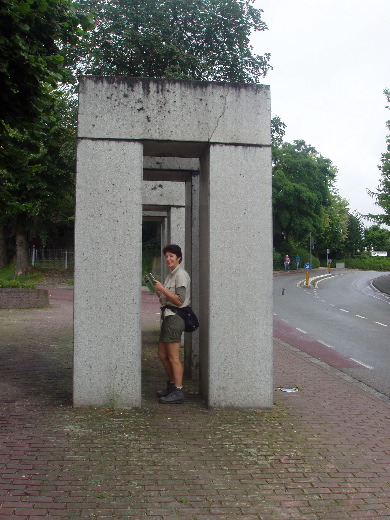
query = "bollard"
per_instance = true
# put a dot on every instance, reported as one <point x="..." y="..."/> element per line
<point x="307" y="277"/>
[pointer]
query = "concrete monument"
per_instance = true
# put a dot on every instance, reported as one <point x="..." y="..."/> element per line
<point x="136" y="130"/>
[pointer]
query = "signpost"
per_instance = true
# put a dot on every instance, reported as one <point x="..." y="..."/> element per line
<point x="307" y="267"/>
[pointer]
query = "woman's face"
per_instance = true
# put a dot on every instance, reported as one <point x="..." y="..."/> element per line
<point x="171" y="260"/>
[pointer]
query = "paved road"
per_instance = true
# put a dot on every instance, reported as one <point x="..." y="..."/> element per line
<point x="346" y="314"/>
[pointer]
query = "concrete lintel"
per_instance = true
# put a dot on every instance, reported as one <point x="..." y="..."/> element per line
<point x="161" y="214"/>
<point x="167" y="176"/>
<point x="160" y="193"/>
<point x="171" y="163"/>
<point x="160" y="111"/>
<point x="171" y="169"/>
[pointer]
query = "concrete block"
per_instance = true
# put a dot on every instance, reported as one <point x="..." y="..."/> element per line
<point x="107" y="341"/>
<point x="162" y="113"/>
<point x="236" y="277"/>
<point x="162" y="193"/>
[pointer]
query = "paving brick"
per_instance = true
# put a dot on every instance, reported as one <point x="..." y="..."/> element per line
<point x="321" y="453"/>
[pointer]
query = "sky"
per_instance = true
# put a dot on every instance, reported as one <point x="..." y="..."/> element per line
<point x="331" y="63"/>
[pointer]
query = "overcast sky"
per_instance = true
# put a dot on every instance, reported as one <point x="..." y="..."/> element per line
<point x="331" y="63"/>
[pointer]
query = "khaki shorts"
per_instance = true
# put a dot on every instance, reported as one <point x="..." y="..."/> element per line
<point x="172" y="328"/>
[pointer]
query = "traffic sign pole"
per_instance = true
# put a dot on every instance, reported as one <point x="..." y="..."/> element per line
<point x="307" y="267"/>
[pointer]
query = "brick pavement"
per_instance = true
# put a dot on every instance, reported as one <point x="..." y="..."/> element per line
<point x="322" y="453"/>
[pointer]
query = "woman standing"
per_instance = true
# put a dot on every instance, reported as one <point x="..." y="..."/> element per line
<point x="173" y="294"/>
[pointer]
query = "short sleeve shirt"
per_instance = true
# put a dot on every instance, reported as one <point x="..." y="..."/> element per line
<point x="177" y="278"/>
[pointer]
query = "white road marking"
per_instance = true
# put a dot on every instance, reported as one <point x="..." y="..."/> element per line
<point x="343" y="310"/>
<point x="379" y="323"/>
<point x="326" y="345"/>
<point x="360" y="363"/>
<point x="300" y="330"/>
<point x="362" y="317"/>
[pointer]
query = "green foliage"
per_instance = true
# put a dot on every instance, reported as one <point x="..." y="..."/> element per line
<point x="147" y="262"/>
<point x="377" y="238"/>
<point x="292" y="251"/>
<point x="37" y="141"/>
<point x="277" y="261"/>
<point x="354" y="240"/>
<point x="382" y="196"/>
<point x="151" y="242"/>
<point x="301" y="192"/>
<point x="33" y="35"/>
<point x="185" y="39"/>
<point x="16" y="284"/>
<point x="368" y="263"/>
<point x="334" y="229"/>
<point x="27" y="281"/>
<point x="37" y="173"/>
<point x="278" y="131"/>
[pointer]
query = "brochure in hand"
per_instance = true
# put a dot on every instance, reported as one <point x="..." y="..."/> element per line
<point x="148" y="281"/>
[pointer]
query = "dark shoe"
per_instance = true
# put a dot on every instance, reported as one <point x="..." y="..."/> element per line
<point x="175" y="397"/>
<point x="170" y="388"/>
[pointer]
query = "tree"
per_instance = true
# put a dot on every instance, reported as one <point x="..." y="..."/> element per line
<point x="37" y="183"/>
<point x="382" y="196"/>
<point x="301" y="191"/>
<point x="189" y="39"/>
<point x="377" y="238"/>
<point x="278" y="131"/>
<point x="334" y="225"/>
<point x="33" y="36"/>
<point x="353" y="242"/>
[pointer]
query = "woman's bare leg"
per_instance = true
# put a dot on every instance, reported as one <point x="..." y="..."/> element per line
<point x="162" y="353"/>
<point x="173" y="351"/>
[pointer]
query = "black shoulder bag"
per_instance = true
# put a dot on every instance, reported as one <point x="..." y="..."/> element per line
<point x="188" y="316"/>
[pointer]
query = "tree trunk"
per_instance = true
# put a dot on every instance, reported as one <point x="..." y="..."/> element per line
<point x="22" y="256"/>
<point x="3" y="248"/>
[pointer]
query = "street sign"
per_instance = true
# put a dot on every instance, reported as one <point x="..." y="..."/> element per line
<point x="307" y="266"/>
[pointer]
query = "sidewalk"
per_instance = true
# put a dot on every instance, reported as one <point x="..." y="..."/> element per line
<point x="322" y="453"/>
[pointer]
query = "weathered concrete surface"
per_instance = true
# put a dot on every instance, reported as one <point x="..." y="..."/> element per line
<point x="321" y="453"/>
<point x="236" y="277"/>
<point x="108" y="251"/>
<point x="227" y="127"/>
<point x="173" y="112"/>
<point x="162" y="193"/>
<point x="172" y="169"/>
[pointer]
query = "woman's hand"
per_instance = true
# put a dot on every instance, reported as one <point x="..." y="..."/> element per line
<point x="158" y="286"/>
<point x="160" y="289"/>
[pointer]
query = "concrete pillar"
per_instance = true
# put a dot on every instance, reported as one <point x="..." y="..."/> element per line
<point x="236" y="277"/>
<point x="191" y="353"/>
<point x="108" y="239"/>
